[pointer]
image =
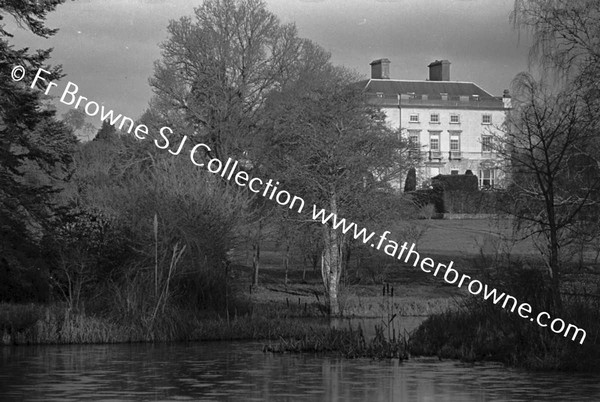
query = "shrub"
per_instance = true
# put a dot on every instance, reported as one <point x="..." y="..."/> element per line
<point x="455" y="182"/>
<point x="480" y="330"/>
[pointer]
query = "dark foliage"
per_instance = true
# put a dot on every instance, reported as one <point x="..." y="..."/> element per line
<point x="411" y="180"/>
<point x="35" y="154"/>
<point x="481" y="331"/>
<point x="455" y="182"/>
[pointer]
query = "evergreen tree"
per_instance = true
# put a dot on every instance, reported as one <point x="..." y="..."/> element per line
<point x="35" y="150"/>
<point x="107" y="132"/>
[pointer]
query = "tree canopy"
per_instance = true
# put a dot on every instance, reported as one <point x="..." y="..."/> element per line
<point x="35" y="148"/>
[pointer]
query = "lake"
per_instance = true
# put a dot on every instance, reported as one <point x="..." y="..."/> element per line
<point x="241" y="371"/>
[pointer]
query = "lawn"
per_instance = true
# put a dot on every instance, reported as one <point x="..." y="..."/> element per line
<point x="473" y="244"/>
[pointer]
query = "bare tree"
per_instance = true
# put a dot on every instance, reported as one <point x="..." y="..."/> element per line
<point x="566" y="41"/>
<point x="334" y="150"/>
<point x="550" y="141"/>
<point x="218" y="67"/>
<point x="216" y="71"/>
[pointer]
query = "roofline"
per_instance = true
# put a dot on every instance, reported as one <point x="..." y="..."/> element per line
<point x="448" y="107"/>
<point x="455" y="82"/>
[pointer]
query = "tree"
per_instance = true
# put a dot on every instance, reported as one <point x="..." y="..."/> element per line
<point x="35" y="148"/>
<point x="411" y="180"/>
<point x="334" y="150"/>
<point x="107" y="132"/>
<point x="566" y="36"/>
<point x="551" y="143"/>
<point x="74" y="118"/>
<point x="217" y="69"/>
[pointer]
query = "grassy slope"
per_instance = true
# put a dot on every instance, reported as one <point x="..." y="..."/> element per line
<point x="415" y="292"/>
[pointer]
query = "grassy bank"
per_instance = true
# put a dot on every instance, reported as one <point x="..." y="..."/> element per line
<point x="35" y="324"/>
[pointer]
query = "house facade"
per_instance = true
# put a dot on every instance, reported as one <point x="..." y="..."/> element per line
<point x="449" y="124"/>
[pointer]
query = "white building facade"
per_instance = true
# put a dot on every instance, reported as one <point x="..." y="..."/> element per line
<point x="449" y="124"/>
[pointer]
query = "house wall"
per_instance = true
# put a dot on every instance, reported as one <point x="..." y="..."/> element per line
<point x="470" y="130"/>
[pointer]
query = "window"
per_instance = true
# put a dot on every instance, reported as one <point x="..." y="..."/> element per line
<point x="486" y="143"/>
<point x="434" y="118"/>
<point x="486" y="119"/>
<point x="413" y="139"/>
<point x="434" y="142"/>
<point x="486" y="178"/>
<point x="444" y="96"/>
<point x="454" y="143"/>
<point x="454" y="172"/>
<point x="379" y="94"/>
<point x="455" y="118"/>
<point x="414" y="118"/>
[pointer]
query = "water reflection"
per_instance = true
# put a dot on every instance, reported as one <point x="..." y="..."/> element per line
<point x="240" y="371"/>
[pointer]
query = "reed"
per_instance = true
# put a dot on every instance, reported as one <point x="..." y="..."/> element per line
<point x="35" y="324"/>
<point x="350" y="343"/>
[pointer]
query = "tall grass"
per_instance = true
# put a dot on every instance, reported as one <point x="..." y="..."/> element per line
<point x="35" y="324"/>
<point x="349" y="343"/>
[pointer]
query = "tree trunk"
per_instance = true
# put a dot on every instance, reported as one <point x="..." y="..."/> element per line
<point x="331" y="268"/>
<point x="555" y="269"/>
<point x="286" y="260"/>
<point x="554" y="248"/>
<point x="256" y="255"/>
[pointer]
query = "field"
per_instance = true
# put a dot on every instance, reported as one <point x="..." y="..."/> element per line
<point x="377" y="285"/>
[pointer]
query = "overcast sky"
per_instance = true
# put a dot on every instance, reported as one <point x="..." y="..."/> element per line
<point x="107" y="47"/>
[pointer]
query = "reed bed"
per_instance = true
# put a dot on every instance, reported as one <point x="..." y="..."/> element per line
<point x="349" y="343"/>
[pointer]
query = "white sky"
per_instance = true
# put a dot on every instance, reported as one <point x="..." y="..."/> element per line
<point x="107" y="47"/>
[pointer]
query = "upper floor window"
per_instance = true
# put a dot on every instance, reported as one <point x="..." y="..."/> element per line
<point x="434" y="118"/>
<point x="486" y="119"/>
<point x="379" y="94"/>
<point x="413" y="118"/>
<point x="455" y="118"/>
<point x="486" y="143"/>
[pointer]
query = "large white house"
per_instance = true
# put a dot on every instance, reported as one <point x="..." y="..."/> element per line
<point x="449" y="123"/>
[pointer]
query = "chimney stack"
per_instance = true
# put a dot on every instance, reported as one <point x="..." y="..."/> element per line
<point x="506" y="99"/>
<point x="380" y="69"/>
<point x="439" y="70"/>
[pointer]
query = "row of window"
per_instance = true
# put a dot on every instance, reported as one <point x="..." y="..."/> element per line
<point x="434" y="118"/>
<point x="434" y="141"/>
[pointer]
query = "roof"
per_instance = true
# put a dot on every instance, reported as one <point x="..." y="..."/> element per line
<point x="432" y="89"/>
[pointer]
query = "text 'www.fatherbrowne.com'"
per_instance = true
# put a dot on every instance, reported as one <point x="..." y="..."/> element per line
<point x="451" y="276"/>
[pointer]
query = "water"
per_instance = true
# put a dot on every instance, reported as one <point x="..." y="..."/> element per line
<point x="241" y="371"/>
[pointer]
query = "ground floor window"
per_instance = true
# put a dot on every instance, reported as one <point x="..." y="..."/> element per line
<point x="486" y="178"/>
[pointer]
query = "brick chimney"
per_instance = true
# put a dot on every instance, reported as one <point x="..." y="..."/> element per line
<point x="380" y="69"/>
<point x="439" y="70"/>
